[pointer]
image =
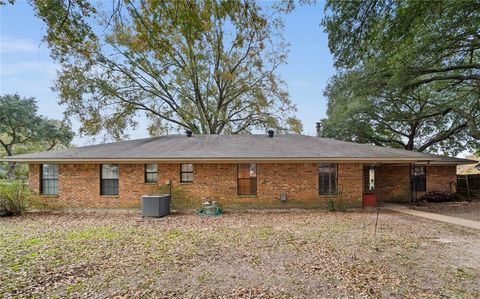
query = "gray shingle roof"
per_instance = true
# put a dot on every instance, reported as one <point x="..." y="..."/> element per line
<point x="233" y="147"/>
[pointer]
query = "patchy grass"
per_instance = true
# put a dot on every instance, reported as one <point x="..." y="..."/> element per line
<point x="266" y="254"/>
<point x="92" y="233"/>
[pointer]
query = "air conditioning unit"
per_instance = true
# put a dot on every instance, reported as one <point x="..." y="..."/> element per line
<point x="155" y="205"/>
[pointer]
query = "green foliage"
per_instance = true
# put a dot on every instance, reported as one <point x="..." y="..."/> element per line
<point x="207" y="66"/>
<point x="465" y="274"/>
<point x="331" y="204"/>
<point x="336" y="203"/>
<point x="14" y="198"/>
<point x="408" y="74"/>
<point x="360" y="109"/>
<point x="67" y="24"/>
<point x="92" y="233"/>
<point x="22" y="129"/>
<point x="341" y="205"/>
<point x="180" y="200"/>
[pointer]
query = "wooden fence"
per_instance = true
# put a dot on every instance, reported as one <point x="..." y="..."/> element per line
<point x="468" y="186"/>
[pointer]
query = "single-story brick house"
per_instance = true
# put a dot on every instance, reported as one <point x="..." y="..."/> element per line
<point x="236" y="169"/>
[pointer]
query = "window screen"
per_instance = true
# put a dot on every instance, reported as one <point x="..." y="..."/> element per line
<point x="151" y="173"/>
<point x="49" y="182"/>
<point x="419" y="179"/>
<point x="327" y="178"/>
<point x="186" y="173"/>
<point x="109" y="179"/>
<point x="247" y="179"/>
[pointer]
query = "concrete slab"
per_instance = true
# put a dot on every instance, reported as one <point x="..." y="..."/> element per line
<point x="438" y="217"/>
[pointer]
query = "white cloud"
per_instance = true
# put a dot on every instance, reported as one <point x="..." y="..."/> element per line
<point x="29" y="68"/>
<point x="16" y="45"/>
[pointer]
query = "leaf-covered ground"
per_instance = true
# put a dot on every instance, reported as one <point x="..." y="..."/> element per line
<point x="277" y="254"/>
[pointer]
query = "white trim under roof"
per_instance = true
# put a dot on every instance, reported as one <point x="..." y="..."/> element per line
<point x="422" y="161"/>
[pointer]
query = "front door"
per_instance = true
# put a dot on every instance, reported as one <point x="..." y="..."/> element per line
<point x="369" y="198"/>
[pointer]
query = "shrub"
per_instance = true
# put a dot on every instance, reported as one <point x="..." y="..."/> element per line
<point x="180" y="199"/>
<point x="341" y="205"/>
<point x="14" y="198"/>
<point x="331" y="204"/>
<point x="336" y="203"/>
<point x="438" y="196"/>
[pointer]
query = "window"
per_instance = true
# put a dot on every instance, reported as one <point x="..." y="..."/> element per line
<point x="419" y="179"/>
<point x="186" y="173"/>
<point x="150" y="173"/>
<point x="247" y="179"/>
<point x="49" y="179"/>
<point x="327" y="178"/>
<point x="109" y="179"/>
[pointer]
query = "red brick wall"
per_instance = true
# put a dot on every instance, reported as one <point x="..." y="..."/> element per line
<point x="34" y="177"/>
<point x="299" y="181"/>
<point x="441" y="178"/>
<point x="79" y="184"/>
<point x="350" y="182"/>
<point x="393" y="181"/>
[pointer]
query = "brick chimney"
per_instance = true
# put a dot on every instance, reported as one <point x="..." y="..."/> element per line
<point x="319" y="129"/>
<point x="270" y="133"/>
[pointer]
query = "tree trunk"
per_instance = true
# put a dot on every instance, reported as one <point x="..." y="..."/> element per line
<point x="410" y="146"/>
<point x="11" y="165"/>
<point x="11" y="170"/>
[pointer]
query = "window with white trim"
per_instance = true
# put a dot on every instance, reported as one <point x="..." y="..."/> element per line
<point x="49" y="179"/>
<point x="327" y="178"/>
<point x="186" y="173"/>
<point x="151" y="173"/>
<point x="247" y="179"/>
<point x="109" y="179"/>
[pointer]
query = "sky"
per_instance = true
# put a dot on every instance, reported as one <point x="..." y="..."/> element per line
<point x="27" y="69"/>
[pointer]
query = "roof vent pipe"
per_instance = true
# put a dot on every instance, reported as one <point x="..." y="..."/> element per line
<point x="319" y="129"/>
<point x="189" y="133"/>
<point x="270" y="133"/>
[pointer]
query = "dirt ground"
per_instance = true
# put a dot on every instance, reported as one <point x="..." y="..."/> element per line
<point x="280" y="254"/>
<point x="462" y="209"/>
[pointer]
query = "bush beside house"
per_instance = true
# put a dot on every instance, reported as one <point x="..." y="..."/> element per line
<point x="15" y="198"/>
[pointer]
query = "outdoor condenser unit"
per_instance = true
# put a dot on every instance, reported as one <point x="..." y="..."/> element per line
<point x="155" y="205"/>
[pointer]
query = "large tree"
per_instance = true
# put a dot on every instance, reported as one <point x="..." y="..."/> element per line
<point x="207" y="66"/>
<point x="21" y="127"/>
<point x="427" y="52"/>
<point x="360" y="109"/>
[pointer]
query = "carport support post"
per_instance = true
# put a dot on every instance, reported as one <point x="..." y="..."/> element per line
<point x="413" y="191"/>
<point x="377" y="197"/>
<point x="468" y="188"/>
<point x="378" y="214"/>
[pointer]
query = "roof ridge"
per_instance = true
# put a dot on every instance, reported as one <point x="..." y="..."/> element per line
<point x="233" y="146"/>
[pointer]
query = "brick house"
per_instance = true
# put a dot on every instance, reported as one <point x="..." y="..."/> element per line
<point x="236" y="169"/>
